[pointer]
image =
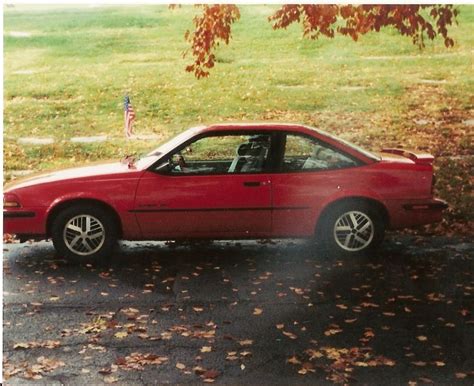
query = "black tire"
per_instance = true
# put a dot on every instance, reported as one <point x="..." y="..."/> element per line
<point x="92" y="246"/>
<point x="351" y="228"/>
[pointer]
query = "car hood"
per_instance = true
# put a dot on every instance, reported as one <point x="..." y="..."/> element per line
<point x="92" y="172"/>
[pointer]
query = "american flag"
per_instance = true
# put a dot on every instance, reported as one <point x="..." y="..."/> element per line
<point x="129" y="116"/>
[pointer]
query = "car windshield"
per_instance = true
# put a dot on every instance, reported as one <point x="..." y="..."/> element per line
<point x="173" y="143"/>
<point x="147" y="159"/>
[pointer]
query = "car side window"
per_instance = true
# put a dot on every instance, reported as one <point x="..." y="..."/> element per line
<point x="222" y="154"/>
<point x="305" y="154"/>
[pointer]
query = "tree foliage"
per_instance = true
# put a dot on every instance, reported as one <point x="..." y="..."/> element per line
<point x="212" y="26"/>
<point x="415" y="21"/>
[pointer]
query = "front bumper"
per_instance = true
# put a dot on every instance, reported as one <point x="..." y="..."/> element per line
<point x="22" y="221"/>
<point x="405" y="214"/>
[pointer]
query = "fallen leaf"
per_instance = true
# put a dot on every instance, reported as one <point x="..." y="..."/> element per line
<point x="350" y="320"/>
<point x="293" y="360"/>
<point x="332" y="331"/>
<point x="180" y="366"/>
<point x="425" y="380"/>
<point x="211" y="374"/>
<point x="21" y="345"/>
<point x="289" y="335"/>
<point x="110" y="379"/>
<point x="422" y="338"/>
<point x="367" y="305"/>
<point x="369" y="334"/>
<point x="198" y="370"/>
<point x="313" y="354"/>
<point x="206" y="349"/>
<point x="246" y="342"/>
<point x="257" y="311"/>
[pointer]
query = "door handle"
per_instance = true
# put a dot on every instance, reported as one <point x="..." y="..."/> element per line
<point x="251" y="184"/>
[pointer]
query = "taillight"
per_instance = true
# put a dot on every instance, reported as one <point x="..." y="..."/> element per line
<point x="10" y="200"/>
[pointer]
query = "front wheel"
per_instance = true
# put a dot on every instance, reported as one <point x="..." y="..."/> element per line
<point x="352" y="229"/>
<point x="84" y="233"/>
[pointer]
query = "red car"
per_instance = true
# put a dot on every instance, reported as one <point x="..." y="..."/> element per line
<point x="229" y="181"/>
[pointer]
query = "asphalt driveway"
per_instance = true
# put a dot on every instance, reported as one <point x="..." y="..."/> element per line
<point x="241" y="313"/>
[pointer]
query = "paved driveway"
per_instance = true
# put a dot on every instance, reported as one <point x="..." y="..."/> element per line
<point x="247" y="313"/>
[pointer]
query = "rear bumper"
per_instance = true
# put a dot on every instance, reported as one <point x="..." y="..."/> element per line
<point x="404" y="214"/>
<point x="24" y="221"/>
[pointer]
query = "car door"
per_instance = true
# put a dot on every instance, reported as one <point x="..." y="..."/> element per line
<point x="215" y="186"/>
<point x="309" y="171"/>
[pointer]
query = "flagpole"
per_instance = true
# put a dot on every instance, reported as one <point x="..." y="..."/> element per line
<point x="129" y="116"/>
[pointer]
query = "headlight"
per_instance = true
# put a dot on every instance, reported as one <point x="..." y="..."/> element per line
<point x="10" y="200"/>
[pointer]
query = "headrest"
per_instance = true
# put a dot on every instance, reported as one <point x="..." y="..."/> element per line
<point x="243" y="149"/>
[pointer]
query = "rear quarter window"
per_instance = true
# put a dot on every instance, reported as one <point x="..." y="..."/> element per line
<point x="308" y="154"/>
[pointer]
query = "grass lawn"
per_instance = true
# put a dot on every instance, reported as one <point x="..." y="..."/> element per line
<point x="66" y="69"/>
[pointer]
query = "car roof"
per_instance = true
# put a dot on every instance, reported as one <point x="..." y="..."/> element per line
<point x="257" y="126"/>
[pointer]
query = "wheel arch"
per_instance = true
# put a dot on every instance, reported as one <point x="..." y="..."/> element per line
<point x="57" y="208"/>
<point x="376" y="204"/>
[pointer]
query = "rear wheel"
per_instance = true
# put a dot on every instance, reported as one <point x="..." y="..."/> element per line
<point x="84" y="233"/>
<point x="351" y="229"/>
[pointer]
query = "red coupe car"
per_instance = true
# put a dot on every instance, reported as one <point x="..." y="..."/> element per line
<point x="229" y="181"/>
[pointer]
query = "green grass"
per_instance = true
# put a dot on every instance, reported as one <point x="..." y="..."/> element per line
<point x="69" y="77"/>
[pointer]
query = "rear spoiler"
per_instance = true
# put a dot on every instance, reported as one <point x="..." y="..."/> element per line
<point x="417" y="157"/>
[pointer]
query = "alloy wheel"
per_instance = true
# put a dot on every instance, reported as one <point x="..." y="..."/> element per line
<point x="84" y="235"/>
<point x="354" y="231"/>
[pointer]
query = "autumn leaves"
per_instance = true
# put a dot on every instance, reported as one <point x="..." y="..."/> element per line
<point x="415" y="21"/>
